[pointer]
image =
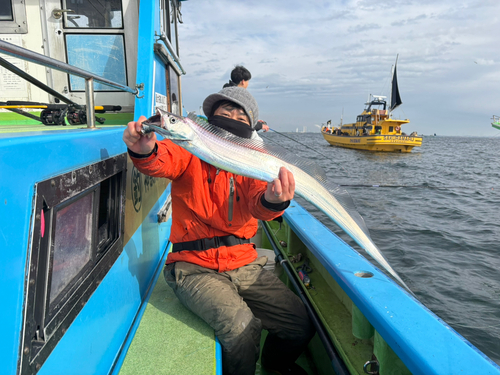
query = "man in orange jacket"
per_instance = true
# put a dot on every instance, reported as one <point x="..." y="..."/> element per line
<point x="213" y="268"/>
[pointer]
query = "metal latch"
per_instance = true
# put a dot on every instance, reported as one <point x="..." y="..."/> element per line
<point x="371" y="367"/>
<point x="57" y="13"/>
<point x="165" y="211"/>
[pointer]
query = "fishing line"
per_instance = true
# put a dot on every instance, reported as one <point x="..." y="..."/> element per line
<point x="365" y="185"/>
<point x="412" y="186"/>
<point x="297" y="142"/>
<point x="309" y="148"/>
<point x="474" y="327"/>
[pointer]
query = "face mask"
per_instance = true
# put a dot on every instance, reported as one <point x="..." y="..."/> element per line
<point x="236" y="127"/>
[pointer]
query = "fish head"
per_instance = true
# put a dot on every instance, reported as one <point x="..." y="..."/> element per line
<point x="169" y="125"/>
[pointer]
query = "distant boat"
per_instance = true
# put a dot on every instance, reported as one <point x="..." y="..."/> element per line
<point x="375" y="129"/>
<point x="496" y="122"/>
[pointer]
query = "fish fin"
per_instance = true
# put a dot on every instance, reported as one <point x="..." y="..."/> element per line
<point x="308" y="166"/>
<point x="346" y="201"/>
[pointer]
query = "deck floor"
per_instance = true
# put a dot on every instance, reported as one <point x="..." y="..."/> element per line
<point x="170" y="339"/>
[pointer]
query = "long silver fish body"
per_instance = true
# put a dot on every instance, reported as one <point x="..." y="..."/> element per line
<point x="248" y="158"/>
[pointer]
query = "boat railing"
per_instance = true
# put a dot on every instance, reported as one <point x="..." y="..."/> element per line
<point x="171" y="50"/>
<point x="496" y="118"/>
<point x="30" y="56"/>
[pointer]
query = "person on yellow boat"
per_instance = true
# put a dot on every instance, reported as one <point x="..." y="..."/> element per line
<point x="213" y="268"/>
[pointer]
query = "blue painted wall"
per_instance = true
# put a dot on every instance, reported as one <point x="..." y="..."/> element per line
<point x="103" y="324"/>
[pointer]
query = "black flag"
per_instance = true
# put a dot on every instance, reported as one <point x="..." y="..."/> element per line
<point x="395" y="98"/>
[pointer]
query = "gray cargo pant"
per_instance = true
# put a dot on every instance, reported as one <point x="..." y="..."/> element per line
<point x="238" y="304"/>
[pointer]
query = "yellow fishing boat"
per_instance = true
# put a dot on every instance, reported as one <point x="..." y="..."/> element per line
<point x="375" y="129"/>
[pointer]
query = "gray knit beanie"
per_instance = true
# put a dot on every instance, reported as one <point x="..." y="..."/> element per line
<point x="238" y="95"/>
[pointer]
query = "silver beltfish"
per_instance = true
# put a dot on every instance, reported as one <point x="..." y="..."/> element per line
<point x="253" y="158"/>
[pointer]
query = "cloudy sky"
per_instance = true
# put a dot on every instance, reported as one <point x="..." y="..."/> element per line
<point x="311" y="60"/>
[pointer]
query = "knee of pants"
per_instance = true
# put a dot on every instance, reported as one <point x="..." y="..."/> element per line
<point x="245" y="344"/>
<point x="169" y="275"/>
<point x="243" y="328"/>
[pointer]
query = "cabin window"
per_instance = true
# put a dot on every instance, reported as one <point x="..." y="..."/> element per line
<point x="93" y="14"/>
<point x="391" y="129"/>
<point x="13" y="17"/>
<point x="174" y="99"/>
<point x="76" y="237"/>
<point x="107" y="59"/>
<point x="6" y="10"/>
<point x="174" y="16"/>
<point x="72" y="243"/>
<point x="165" y="17"/>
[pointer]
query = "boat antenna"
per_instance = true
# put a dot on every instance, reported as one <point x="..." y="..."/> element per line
<point x="342" y="116"/>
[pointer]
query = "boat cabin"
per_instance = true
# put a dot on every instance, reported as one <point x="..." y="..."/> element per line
<point x="373" y="121"/>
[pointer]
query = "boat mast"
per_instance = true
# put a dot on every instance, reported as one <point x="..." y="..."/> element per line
<point x="392" y="78"/>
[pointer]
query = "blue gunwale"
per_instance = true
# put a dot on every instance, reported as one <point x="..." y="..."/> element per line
<point x="422" y="340"/>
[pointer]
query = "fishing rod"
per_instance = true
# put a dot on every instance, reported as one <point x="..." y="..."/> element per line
<point x="36" y="105"/>
<point x="23" y="113"/>
<point x="409" y="186"/>
<point x="309" y="148"/>
<point x="50" y="115"/>
<point x="335" y="360"/>
<point x="56" y="114"/>
<point x="14" y="69"/>
<point x="298" y="142"/>
<point x="367" y="185"/>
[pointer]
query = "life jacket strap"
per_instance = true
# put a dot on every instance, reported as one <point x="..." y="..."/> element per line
<point x="209" y="243"/>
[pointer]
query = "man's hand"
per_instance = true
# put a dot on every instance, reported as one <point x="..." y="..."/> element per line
<point x="282" y="188"/>
<point x="140" y="144"/>
<point x="265" y="127"/>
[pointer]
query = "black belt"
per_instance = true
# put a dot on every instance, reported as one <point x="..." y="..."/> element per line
<point x="209" y="243"/>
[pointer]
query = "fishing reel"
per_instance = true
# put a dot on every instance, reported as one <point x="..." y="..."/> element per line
<point x="78" y="116"/>
<point x="53" y="116"/>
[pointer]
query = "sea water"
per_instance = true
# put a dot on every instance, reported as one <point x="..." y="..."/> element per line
<point x="435" y="217"/>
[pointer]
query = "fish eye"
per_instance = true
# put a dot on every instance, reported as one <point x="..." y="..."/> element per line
<point x="173" y="120"/>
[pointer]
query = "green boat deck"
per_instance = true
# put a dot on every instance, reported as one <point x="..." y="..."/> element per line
<point x="170" y="339"/>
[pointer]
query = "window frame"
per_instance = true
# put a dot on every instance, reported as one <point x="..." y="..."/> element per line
<point x="19" y="24"/>
<point x="46" y="322"/>
<point x="66" y="22"/>
<point x="105" y="88"/>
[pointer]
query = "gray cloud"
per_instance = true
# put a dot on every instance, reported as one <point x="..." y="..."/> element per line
<point x="310" y="60"/>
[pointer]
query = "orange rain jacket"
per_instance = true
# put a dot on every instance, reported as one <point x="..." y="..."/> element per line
<point x="208" y="202"/>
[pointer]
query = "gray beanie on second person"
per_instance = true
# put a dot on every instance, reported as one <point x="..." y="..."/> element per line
<point x="238" y="95"/>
